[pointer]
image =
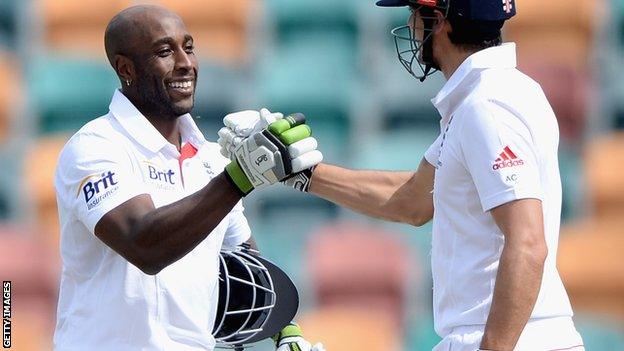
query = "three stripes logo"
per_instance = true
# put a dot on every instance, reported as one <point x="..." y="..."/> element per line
<point x="507" y="158"/>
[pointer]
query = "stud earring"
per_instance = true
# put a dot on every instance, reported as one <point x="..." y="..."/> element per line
<point x="128" y="82"/>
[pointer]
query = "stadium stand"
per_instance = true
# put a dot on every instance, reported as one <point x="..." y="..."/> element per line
<point x="591" y="267"/>
<point x="11" y="95"/>
<point x="603" y="169"/>
<point x="313" y="75"/>
<point x="67" y="91"/>
<point x="220" y="28"/>
<point x="39" y="179"/>
<point x="351" y="328"/>
<point x="8" y="23"/>
<point x="357" y="265"/>
<point x="33" y="270"/>
<point x="76" y="27"/>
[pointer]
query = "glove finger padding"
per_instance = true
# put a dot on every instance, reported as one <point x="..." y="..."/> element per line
<point x="245" y="123"/>
<point x="307" y="160"/>
<point x="242" y="122"/>
<point x="226" y="139"/>
<point x="269" y="117"/>
<point x="302" y="146"/>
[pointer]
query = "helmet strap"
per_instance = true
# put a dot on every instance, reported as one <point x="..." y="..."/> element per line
<point x="427" y="45"/>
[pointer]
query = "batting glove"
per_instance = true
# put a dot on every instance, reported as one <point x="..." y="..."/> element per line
<point x="240" y="125"/>
<point x="275" y="153"/>
<point x="291" y="339"/>
<point x="300" y="181"/>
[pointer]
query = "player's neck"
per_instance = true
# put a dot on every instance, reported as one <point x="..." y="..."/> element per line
<point x="167" y="125"/>
<point x="452" y="59"/>
<point x="169" y="129"/>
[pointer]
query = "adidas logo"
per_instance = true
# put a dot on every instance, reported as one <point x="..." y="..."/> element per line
<point x="507" y="159"/>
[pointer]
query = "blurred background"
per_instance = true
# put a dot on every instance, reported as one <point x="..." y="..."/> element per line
<point x="365" y="284"/>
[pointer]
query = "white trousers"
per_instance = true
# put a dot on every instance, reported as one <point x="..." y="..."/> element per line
<point x="547" y="334"/>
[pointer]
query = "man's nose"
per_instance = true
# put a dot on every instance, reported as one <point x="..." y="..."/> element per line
<point x="183" y="60"/>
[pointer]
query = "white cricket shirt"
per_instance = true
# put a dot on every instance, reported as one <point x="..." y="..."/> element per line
<point x="498" y="143"/>
<point x="105" y="302"/>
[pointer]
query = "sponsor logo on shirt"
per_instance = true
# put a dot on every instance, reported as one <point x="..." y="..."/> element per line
<point x="161" y="177"/>
<point x="208" y="168"/>
<point x="506" y="159"/>
<point x="96" y="187"/>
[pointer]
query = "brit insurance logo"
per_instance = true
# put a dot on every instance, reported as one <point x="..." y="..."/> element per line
<point x="507" y="159"/>
<point x="97" y="187"/>
<point x="160" y="177"/>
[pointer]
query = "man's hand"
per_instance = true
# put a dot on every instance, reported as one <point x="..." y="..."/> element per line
<point x="291" y="339"/>
<point x="272" y="155"/>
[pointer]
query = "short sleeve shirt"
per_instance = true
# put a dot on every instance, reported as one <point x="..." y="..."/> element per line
<point x="105" y="302"/>
<point x="498" y="143"/>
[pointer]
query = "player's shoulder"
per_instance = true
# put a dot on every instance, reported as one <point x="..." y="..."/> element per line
<point x="98" y="135"/>
<point x="506" y="92"/>
<point x="487" y="114"/>
<point x="511" y="87"/>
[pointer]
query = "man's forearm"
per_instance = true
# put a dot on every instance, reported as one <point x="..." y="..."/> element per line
<point x="166" y="234"/>
<point x="517" y="286"/>
<point x="395" y="196"/>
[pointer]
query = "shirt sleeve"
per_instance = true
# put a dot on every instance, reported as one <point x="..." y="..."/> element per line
<point x="433" y="152"/>
<point x="238" y="230"/>
<point x="94" y="176"/>
<point x="498" y="151"/>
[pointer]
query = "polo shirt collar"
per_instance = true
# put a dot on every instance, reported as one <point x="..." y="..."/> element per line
<point x="455" y="91"/>
<point x="143" y="132"/>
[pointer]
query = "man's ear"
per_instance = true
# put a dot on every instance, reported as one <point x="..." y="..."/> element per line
<point x="125" y="68"/>
<point x="440" y="21"/>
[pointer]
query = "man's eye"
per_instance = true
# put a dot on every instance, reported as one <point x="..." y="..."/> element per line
<point x="163" y="53"/>
<point x="189" y="49"/>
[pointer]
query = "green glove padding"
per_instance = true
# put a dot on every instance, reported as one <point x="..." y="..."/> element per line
<point x="263" y="158"/>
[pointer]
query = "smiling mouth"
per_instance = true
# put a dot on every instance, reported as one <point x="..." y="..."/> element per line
<point x="182" y="86"/>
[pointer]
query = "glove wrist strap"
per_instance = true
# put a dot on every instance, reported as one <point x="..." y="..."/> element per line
<point x="236" y="175"/>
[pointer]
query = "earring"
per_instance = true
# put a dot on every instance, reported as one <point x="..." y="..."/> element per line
<point x="128" y="82"/>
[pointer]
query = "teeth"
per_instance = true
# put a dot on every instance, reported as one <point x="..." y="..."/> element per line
<point x="186" y="84"/>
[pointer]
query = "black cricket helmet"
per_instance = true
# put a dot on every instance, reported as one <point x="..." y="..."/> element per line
<point x="416" y="54"/>
<point x="256" y="299"/>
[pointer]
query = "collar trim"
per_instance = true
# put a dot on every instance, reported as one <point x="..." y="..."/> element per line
<point x="503" y="56"/>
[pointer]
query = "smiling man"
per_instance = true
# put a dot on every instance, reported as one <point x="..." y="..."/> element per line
<point x="145" y="204"/>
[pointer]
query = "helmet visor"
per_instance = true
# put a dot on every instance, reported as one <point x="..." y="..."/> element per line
<point x="410" y="40"/>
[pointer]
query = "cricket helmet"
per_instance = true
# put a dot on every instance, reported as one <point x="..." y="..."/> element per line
<point x="256" y="299"/>
<point x="415" y="54"/>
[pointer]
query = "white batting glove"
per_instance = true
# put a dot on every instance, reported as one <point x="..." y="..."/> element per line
<point x="291" y="339"/>
<point x="272" y="155"/>
<point x="240" y="125"/>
